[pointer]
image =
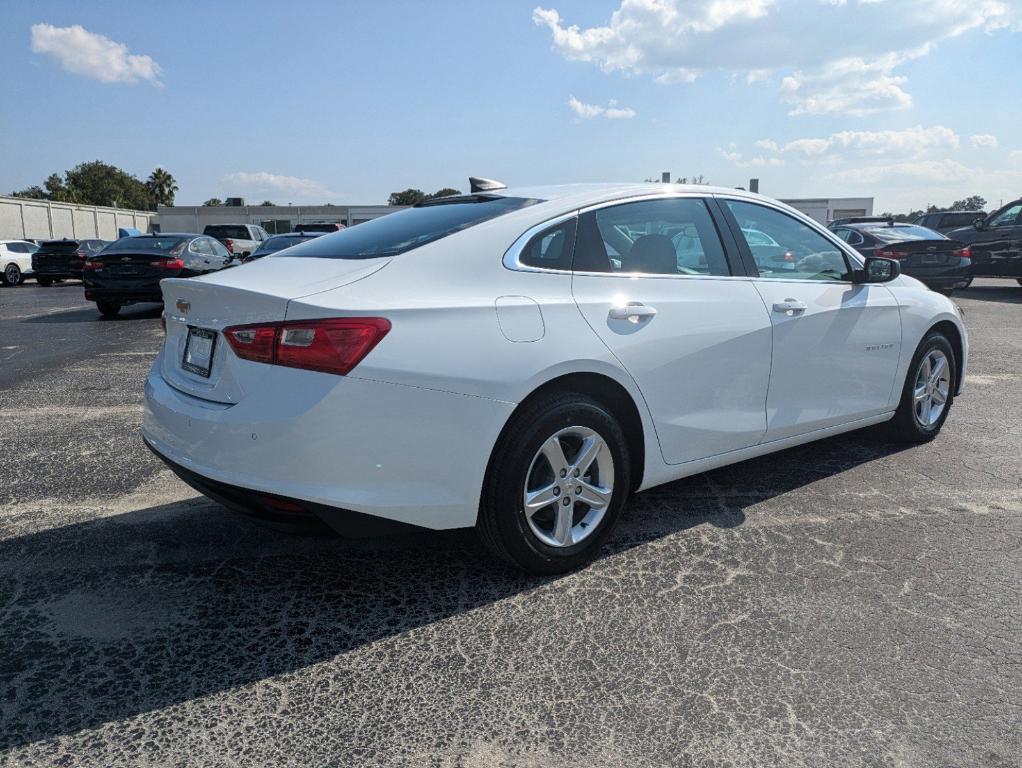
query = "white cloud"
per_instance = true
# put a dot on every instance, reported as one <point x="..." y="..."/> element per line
<point x="835" y="56"/>
<point x="918" y="170"/>
<point x="740" y="161"/>
<point x="92" y="55"/>
<point x="907" y="143"/>
<point x="261" y="181"/>
<point x="612" y="111"/>
<point x="983" y="140"/>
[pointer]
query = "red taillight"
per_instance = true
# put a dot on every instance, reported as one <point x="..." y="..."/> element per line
<point x="91" y="265"/>
<point x="81" y="254"/>
<point x="334" y="345"/>
<point x="893" y="254"/>
<point x="962" y="253"/>
<point x="168" y="263"/>
<point x="229" y="245"/>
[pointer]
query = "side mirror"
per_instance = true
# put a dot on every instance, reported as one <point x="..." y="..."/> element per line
<point x="980" y="223"/>
<point x="879" y="270"/>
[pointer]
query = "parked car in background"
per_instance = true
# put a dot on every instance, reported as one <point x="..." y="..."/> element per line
<point x="16" y="260"/>
<point x="275" y="243"/>
<point x="928" y="256"/>
<point x="240" y="239"/>
<point x="522" y="360"/>
<point x="318" y="226"/>
<point x="63" y="259"/>
<point x="996" y="242"/>
<point x="129" y="270"/>
<point x="945" y="221"/>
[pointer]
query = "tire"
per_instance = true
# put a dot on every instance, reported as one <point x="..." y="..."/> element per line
<point x="1019" y="281"/>
<point x="966" y="283"/>
<point x="908" y="426"/>
<point x="542" y="543"/>
<point x="11" y="275"/>
<point x="108" y="308"/>
<point x="45" y="282"/>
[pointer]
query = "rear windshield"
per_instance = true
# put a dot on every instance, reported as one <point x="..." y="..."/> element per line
<point x="136" y="244"/>
<point x="411" y="228"/>
<point x="59" y="246"/>
<point x="230" y="231"/>
<point x="903" y="234"/>
<point x="279" y="242"/>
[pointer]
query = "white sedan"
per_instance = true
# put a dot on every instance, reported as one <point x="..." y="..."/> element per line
<point x="15" y="260"/>
<point x="520" y="360"/>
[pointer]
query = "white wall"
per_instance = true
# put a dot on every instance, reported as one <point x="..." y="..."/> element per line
<point x="43" y="220"/>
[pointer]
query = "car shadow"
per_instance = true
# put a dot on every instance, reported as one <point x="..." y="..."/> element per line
<point x="1009" y="292"/>
<point x="90" y="314"/>
<point x="109" y="618"/>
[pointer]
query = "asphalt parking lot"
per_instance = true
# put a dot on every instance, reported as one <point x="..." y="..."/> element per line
<point x="847" y="603"/>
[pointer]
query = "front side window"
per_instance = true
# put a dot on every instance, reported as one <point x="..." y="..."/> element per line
<point x="795" y="251"/>
<point x="1007" y="216"/>
<point x="672" y="236"/>
<point x="551" y="248"/>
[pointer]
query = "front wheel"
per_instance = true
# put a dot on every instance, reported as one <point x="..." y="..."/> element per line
<point x="108" y="308"/>
<point x="556" y="483"/>
<point x="12" y="275"/>
<point x="928" y="392"/>
<point x="45" y="282"/>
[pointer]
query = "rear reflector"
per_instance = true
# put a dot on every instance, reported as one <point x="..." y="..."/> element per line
<point x="168" y="263"/>
<point x="333" y="345"/>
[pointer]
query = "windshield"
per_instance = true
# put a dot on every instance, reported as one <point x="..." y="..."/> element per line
<point x="411" y="228"/>
<point x="279" y="242"/>
<point x="903" y="234"/>
<point x="146" y="243"/>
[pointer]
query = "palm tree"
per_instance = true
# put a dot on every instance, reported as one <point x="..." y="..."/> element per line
<point x="162" y="187"/>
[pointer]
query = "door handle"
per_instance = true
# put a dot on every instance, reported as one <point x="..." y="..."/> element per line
<point x="790" y="307"/>
<point x="633" y="311"/>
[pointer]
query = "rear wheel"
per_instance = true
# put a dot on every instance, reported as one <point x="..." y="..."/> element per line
<point x="108" y="308"/>
<point x="45" y="282"/>
<point x="928" y="392"/>
<point x="12" y="274"/>
<point x="966" y="283"/>
<point x="556" y="483"/>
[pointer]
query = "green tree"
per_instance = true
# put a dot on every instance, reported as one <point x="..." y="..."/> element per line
<point x="99" y="183"/>
<point x="267" y="202"/>
<point x="407" y="197"/>
<point x="32" y="193"/>
<point x="444" y="192"/>
<point x="212" y="202"/>
<point x="973" y="203"/>
<point x="57" y="190"/>
<point x="161" y="187"/>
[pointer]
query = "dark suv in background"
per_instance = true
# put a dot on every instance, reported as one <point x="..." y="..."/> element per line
<point x="996" y="242"/>
<point x="63" y="259"/>
<point x="945" y="221"/>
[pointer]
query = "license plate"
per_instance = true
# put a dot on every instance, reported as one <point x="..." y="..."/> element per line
<point x="934" y="258"/>
<point x="198" y="355"/>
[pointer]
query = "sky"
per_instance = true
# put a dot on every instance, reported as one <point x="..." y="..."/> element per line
<point x="913" y="102"/>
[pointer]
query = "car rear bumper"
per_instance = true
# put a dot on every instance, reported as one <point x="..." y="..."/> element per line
<point x="123" y="296"/>
<point x="407" y="454"/>
<point x="943" y="276"/>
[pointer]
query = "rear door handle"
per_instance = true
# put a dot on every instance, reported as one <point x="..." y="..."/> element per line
<point x="790" y="307"/>
<point x="634" y="311"/>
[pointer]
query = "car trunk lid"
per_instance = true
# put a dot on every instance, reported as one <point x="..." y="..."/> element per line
<point x="254" y="293"/>
<point x="922" y="253"/>
<point x="58" y="253"/>
<point x="120" y="264"/>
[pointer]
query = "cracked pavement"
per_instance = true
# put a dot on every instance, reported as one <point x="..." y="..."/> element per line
<point x="845" y="603"/>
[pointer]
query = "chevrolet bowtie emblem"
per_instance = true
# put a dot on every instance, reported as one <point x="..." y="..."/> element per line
<point x="183" y="306"/>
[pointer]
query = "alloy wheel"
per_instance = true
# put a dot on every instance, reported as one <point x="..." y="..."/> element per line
<point x="932" y="388"/>
<point x="569" y="486"/>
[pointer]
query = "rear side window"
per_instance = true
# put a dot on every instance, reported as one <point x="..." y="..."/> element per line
<point x="227" y="231"/>
<point x="904" y="234"/>
<point x="400" y="232"/>
<point x="674" y="236"/>
<point x="551" y="248"/>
